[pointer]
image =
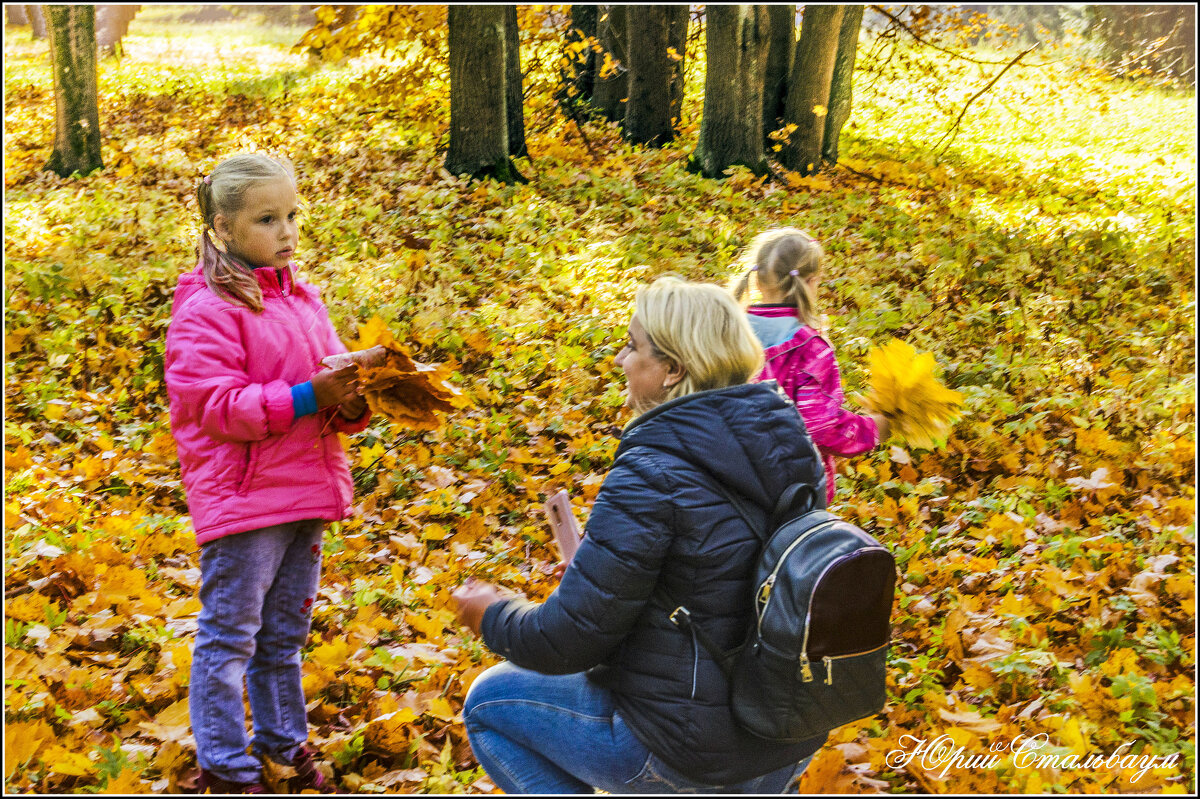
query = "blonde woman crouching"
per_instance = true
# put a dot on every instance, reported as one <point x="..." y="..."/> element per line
<point x="601" y="689"/>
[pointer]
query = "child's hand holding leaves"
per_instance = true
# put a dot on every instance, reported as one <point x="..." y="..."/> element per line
<point x="409" y="393"/>
<point x="905" y="391"/>
<point x="335" y="386"/>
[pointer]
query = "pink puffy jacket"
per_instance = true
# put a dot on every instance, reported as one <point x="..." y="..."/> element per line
<point x="802" y="362"/>
<point x="247" y="462"/>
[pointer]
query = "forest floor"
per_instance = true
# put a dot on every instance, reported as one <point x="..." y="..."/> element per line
<point x="1045" y="257"/>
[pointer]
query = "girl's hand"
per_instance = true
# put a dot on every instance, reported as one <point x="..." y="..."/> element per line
<point x="885" y="427"/>
<point x="471" y="600"/>
<point x="352" y="409"/>
<point x="336" y="386"/>
<point x="559" y="571"/>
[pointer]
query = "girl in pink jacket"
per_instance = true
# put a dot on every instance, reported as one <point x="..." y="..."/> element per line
<point x="786" y="265"/>
<point x="255" y="420"/>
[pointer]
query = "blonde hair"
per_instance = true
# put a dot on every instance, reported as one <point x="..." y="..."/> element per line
<point x="783" y="258"/>
<point x="701" y="328"/>
<point x="223" y="191"/>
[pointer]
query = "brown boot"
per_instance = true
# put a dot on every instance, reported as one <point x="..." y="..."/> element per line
<point x="308" y="776"/>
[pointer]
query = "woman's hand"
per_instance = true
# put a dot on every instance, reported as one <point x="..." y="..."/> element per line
<point x="885" y="427"/>
<point x="471" y="600"/>
<point x="336" y="386"/>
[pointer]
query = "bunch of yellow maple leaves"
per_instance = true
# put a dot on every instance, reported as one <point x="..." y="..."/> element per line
<point x="408" y="392"/>
<point x="905" y="389"/>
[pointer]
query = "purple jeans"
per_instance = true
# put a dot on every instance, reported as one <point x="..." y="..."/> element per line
<point x="256" y="594"/>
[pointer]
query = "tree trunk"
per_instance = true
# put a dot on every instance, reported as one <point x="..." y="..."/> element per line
<point x="680" y="17"/>
<point x="15" y="14"/>
<point x="478" y="115"/>
<point x="780" y="50"/>
<point x="808" y="89"/>
<point x="648" y="112"/>
<point x="612" y="85"/>
<point x="513" y="84"/>
<point x="578" y="77"/>
<point x="736" y="39"/>
<point x="37" y="21"/>
<point x="841" y="89"/>
<point x="72" y="33"/>
<point x="112" y="23"/>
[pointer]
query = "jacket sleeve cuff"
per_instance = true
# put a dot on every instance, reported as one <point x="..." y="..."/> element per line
<point x="304" y="399"/>
<point x="487" y="627"/>
<point x="277" y="397"/>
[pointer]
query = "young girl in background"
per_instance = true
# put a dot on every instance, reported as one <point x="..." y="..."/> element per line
<point x="255" y="421"/>
<point x="786" y="265"/>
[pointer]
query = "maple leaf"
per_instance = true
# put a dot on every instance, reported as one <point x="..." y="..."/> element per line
<point x="905" y="389"/>
<point x="406" y="391"/>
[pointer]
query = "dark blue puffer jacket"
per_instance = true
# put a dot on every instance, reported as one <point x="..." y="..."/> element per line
<point x="660" y="534"/>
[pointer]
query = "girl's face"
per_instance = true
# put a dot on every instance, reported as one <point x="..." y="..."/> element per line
<point x="264" y="232"/>
<point x="648" y="375"/>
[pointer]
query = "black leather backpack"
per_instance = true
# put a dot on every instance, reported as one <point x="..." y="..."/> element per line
<point x="816" y="657"/>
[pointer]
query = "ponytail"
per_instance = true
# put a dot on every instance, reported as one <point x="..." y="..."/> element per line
<point x="740" y="287"/>
<point x="800" y="296"/>
<point x="226" y="276"/>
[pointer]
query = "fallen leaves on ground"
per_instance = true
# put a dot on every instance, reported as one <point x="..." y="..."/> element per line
<point x="1047" y="548"/>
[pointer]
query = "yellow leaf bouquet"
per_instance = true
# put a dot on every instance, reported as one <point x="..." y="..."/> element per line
<point x="904" y="388"/>
<point x="406" y="391"/>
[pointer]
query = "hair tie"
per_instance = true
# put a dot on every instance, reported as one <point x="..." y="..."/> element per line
<point x="754" y="268"/>
<point x="207" y="180"/>
<point x="794" y="273"/>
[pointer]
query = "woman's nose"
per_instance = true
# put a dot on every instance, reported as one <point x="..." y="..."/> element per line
<point x="620" y="359"/>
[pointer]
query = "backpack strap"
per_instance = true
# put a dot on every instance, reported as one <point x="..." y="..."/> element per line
<point x="796" y="499"/>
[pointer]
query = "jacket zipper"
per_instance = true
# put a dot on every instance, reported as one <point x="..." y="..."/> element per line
<point x="695" y="661"/>
<point x="322" y="438"/>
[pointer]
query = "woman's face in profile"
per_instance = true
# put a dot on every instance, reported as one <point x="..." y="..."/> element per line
<point x="647" y="375"/>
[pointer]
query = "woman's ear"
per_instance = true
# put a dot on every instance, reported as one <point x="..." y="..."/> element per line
<point x="675" y="373"/>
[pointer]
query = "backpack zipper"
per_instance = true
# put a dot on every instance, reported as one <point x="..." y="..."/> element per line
<point x="764" y="590"/>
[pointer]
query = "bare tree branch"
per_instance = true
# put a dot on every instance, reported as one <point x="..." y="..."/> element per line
<point x="916" y="36"/>
<point x="976" y="95"/>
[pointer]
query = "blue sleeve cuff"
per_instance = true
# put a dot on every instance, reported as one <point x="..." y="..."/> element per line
<point x="304" y="399"/>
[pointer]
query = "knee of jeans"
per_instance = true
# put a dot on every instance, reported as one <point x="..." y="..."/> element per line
<point x="487" y="687"/>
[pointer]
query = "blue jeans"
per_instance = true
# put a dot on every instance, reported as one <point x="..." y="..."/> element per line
<point x="256" y="594"/>
<point x="545" y="733"/>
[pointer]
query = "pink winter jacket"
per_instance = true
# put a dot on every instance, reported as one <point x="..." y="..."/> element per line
<point x="801" y="360"/>
<point x="247" y="462"/>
